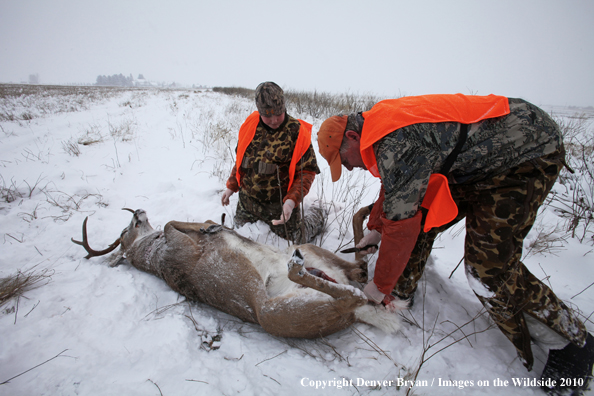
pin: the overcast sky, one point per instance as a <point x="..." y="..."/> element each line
<point x="539" y="50"/>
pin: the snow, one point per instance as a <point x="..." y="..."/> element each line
<point x="89" y="329"/>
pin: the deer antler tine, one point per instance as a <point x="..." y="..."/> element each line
<point x="85" y="243"/>
<point x="84" y="231"/>
<point x="129" y="210"/>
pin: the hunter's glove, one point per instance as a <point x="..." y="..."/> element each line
<point x="373" y="294"/>
<point x="373" y="238"/>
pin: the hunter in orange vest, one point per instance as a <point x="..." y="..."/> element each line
<point x="384" y="118"/>
<point x="246" y="135"/>
<point x="274" y="168"/>
<point x="442" y="158"/>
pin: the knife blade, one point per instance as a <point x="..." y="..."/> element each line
<point x="357" y="250"/>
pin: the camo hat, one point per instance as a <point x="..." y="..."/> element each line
<point x="270" y="99"/>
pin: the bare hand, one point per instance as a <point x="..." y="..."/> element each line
<point x="226" y="195"/>
<point x="288" y="207"/>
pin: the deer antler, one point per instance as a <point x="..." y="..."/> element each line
<point x="85" y="243"/>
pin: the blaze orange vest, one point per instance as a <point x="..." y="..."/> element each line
<point x="392" y="114"/>
<point x="247" y="131"/>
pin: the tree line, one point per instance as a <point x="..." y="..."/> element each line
<point x="116" y="80"/>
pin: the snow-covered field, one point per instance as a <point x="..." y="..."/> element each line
<point x="89" y="329"/>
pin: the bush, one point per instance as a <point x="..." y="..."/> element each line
<point x="576" y="204"/>
<point x="314" y="104"/>
<point x="236" y="91"/>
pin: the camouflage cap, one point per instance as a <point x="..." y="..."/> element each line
<point x="270" y="99"/>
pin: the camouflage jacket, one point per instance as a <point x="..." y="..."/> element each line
<point x="268" y="150"/>
<point x="408" y="156"/>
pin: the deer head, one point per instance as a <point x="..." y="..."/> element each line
<point x="138" y="228"/>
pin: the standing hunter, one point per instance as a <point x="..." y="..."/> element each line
<point x="274" y="169"/>
<point x="490" y="159"/>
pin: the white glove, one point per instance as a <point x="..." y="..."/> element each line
<point x="373" y="294"/>
<point x="288" y="207"/>
<point x="373" y="238"/>
<point x="226" y="195"/>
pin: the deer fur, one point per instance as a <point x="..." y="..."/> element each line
<point x="209" y="263"/>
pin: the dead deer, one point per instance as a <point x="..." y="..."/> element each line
<point x="303" y="292"/>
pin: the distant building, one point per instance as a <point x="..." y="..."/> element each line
<point x="142" y="82"/>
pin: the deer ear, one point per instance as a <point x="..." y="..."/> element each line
<point x="122" y="260"/>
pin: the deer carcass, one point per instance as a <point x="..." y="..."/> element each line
<point x="304" y="292"/>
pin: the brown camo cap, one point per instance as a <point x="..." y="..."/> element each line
<point x="270" y="99"/>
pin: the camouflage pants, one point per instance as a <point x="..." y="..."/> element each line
<point x="500" y="212"/>
<point x="250" y="210"/>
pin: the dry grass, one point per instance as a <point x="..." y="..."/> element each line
<point x="21" y="102"/>
<point x="236" y="91"/>
<point x="576" y="204"/>
<point x="315" y="104"/>
<point x="71" y="147"/>
<point x="324" y="105"/>
<point x="10" y="192"/>
<point x="15" y="286"/>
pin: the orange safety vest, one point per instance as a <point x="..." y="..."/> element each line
<point x="247" y="131"/>
<point x="392" y="114"/>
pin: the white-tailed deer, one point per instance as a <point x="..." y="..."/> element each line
<point x="304" y="292"/>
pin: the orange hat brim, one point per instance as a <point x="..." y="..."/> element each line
<point x="330" y="138"/>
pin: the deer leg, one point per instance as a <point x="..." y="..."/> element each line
<point x="304" y="316"/>
<point x="212" y="229"/>
<point x="356" y="271"/>
<point x="196" y="231"/>
<point x="207" y="227"/>
<point x="358" y="219"/>
<point x="299" y="275"/>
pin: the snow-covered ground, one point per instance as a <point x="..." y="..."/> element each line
<point x="89" y="329"/>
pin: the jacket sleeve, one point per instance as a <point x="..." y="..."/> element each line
<point x="375" y="222"/>
<point x="301" y="185"/>
<point x="232" y="180"/>
<point x="398" y="241"/>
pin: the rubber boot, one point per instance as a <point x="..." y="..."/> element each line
<point x="570" y="368"/>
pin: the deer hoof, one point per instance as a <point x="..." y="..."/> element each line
<point x="296" y="262"/>
<point x="213" y="229"/>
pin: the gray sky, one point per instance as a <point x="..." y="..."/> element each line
<point x="539" y="50"/>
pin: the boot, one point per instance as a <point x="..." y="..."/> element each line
<point x="570" y="368"/>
